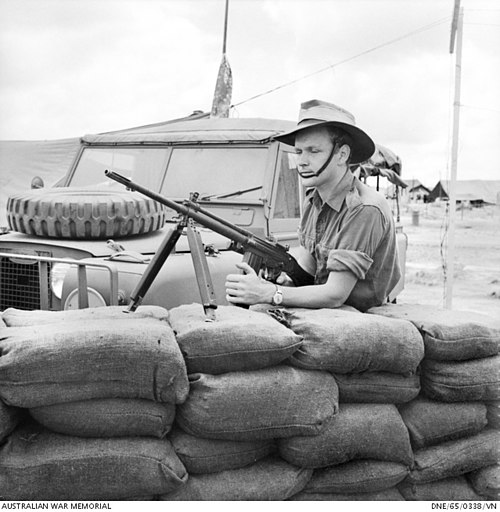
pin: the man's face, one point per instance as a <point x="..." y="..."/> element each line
<point x="313" y="147"/>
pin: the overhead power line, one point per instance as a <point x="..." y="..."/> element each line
<point x="481" y="108"/>
<point x="330" y="66"/>
<point x="483" y="24"/>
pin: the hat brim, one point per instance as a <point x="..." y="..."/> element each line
<point x="363" y="146"/>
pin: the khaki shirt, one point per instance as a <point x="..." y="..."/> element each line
<point x="353" y="230"/>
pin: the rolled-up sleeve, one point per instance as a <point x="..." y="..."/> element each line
<point x="356" y="242"/>
<point x="355" y="261"/>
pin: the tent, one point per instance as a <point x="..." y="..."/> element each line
<point x="22" y="160"/>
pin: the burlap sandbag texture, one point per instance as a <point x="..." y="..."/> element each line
<point x="107" y="417"/>
<point x="201" y="456"/>
<point x="80" y="361"/>
<point x="449" y="335"/>
<point x="430" y="422"/>
<point x="345" y="342"/>
<point x="455" y="458"/>
<point x="486" y="481"/>
<point x="358" y="431"/>
<point x="36" y="464"/>
<point x="357" y="476"/>
<point x="240" y="339"/>
<point x="377" y="387"/>
<point x="261" y="404"/>
<point x="493" y="414"/>
<point x="21" y="318"/>
<point x="448" y="489"/>
<point x="270" y="479"/>
<point x="9" y="418"/>
<point x="459" y="381"/>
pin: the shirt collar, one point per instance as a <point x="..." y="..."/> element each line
<point x="338" y="193"/>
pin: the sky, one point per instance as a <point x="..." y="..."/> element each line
<point x="71" y="67"/>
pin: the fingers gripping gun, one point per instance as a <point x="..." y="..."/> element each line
<point x="271" y="257"/>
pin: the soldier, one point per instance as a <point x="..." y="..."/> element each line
<point x="347" y="234"/>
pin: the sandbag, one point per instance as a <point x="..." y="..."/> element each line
<point x="493" y="414"/>
<point x="345" y="342"/>
<point x="77" y="361"/>
<point x="386" y="495"/>
<point x="357" y="476"/>
<point x="449" y="335"/>
<point x="462" y="381"/>
<point x="21" y="318"/>
<point x="270" y="479"/>
<point x="36" y="464"/>
<point x="448" y="489"/>
<point x="455" y="458"/>
<point x="9" y="418"/>
<point x="107" y="417"/>
<point x="486" y="481"/>
<point x="240" y="339"/>
<point x="358" y="431"/>
<point x="430" y="422"/>
<point x="215" y="455"/>
<point x="377" y="387"/>
<point x="261" y="404"/>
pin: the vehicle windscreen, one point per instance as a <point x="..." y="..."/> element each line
<point x="145" y="166"/>
<point x="217" y="173"/>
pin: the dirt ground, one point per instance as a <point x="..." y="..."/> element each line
<point x="476" y="285"/>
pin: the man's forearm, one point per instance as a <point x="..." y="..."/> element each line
<point x="331" y="294"/>
<point x="314" y="296"/>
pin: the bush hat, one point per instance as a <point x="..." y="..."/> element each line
<point x="321" y="113"/>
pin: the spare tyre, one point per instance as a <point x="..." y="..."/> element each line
<point x="83" y="213"/>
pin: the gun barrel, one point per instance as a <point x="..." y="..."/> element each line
<point x="206" y="219"/>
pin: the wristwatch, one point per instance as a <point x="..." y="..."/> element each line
<point x="277" y="297"/>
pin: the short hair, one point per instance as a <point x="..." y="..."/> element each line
<point x="340" y="138"/>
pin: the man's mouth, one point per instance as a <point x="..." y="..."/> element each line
<point x="307" y="174"/>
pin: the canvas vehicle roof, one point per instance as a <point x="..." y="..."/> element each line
<point x="200" y="130"/>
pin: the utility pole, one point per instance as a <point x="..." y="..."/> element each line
<point x="456" y="30"/>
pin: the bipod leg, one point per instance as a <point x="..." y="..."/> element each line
<point x="154" y="267"/>
<point x="202" y="272"/>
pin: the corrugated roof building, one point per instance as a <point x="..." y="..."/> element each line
<point x="475" y="191"/>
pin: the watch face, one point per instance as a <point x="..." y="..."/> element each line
<point x="278" y="298"/>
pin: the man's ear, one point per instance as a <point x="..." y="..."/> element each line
<point x="344" y="153"/>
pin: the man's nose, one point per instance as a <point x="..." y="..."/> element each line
<point x="302" y="160"/>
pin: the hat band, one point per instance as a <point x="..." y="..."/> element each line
<point x="306" y="123"/>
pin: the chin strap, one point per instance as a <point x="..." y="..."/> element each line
<point x="323" y="167"/>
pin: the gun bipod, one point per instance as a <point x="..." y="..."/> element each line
<point x="200" y="265"/>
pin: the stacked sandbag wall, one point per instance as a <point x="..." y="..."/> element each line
<point x="453" y="423"/>
<point x="283" y="404"/>
<point x="364" y="451"/>
<point x="87" y="398"/>
<point x="244" y="396"/>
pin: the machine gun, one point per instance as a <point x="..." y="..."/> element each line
<point x="270" y="257"/>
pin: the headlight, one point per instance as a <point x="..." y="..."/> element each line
<point x="57" y="275"/>
<point x="96" y="300"/>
